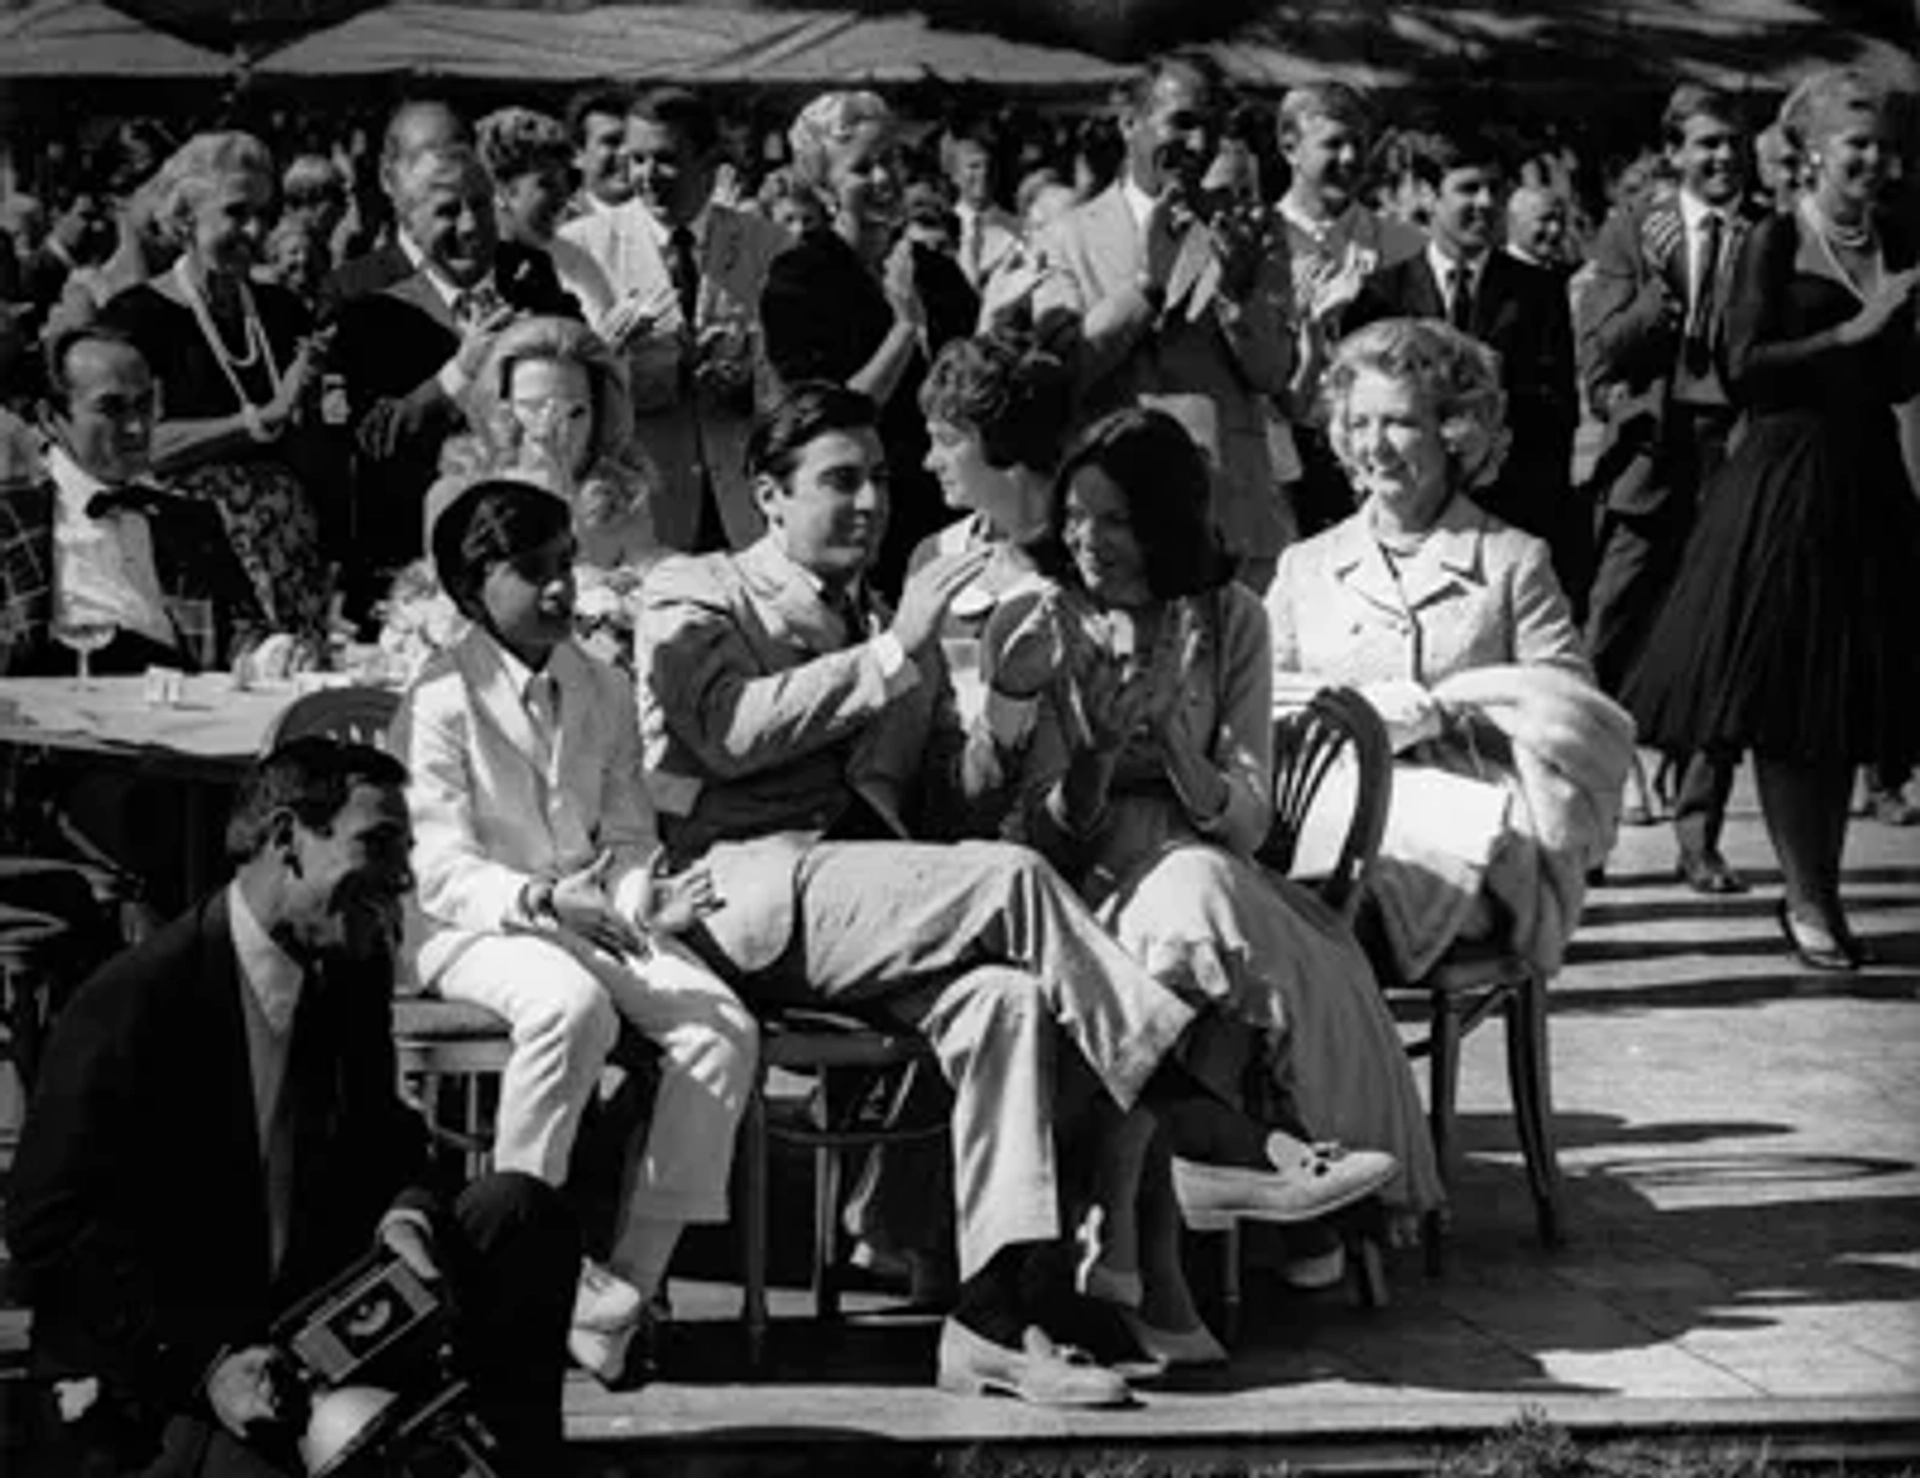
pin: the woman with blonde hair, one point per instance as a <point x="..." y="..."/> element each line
<point x="1790" y="628"/>
<point x="892" y="305"/>
<point x="239" y="368"/>
<point x="1508" y="760"/>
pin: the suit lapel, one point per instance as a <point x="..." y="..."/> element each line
<point x="791" y="607"/>
<point x="415" y="290"/>
<point x="1424" y="297"/>
<point x="498" y="701"/>
<point x="242" y="1150"/>
<point x="1359" y="565"/>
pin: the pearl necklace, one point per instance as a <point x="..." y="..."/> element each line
<point x="252" y="330"/>
<point x="1834" y="239"/>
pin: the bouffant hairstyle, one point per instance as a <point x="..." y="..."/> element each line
<point x="1168" y="488"/>
<point x="828" y="121"/>
<point x="518" y="141"/>
<point x="1333" y="100"/>
<point x="1015" y="397"/>
<point x="1453" y="373"/>
<point x="564" y="341"/>
<point x="492" y="520"/>
<point x="1823" y="101"/>
<point x="199" y="166"/>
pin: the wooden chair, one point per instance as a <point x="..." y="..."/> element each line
<point x="359" y="713"/>
<point x="845" y="1055"/>
<point x="1307" y="744"/>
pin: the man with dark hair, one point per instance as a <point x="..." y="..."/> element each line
<point x="416" y="320"/>
<point x="686" y="273"/>
<point x="1650" y="326"/>
<point x="989" y="237"/>
<point x="597" y="125"/>
<point x="1179" y="304"/>
<point x="1518" y="310"/>
<point x="239" y="1065"/>
<point x="87" y="539"/>
<point x="799" y="738"/>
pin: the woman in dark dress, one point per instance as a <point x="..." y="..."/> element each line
<point x="1791" y="628"/>
<point x="237" y="370"/>
<point x="854" y="303"/>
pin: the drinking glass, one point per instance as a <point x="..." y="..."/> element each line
<point x="83" y="636"/>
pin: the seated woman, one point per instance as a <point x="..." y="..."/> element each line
<point x="1147" y="776"/>
<point x="1509" y="762"/>
<point x="534" y="854"/>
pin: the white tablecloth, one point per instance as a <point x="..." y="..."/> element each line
<point x="213" y="720"/>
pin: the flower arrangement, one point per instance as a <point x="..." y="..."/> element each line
<point x="419" y="619"/>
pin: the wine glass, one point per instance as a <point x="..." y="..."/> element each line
<point x="83" y="636"/>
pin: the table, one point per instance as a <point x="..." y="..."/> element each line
<point x="205" y="741"/>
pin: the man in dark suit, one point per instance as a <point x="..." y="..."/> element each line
<point x="215" y="1134"/>
<point x="85" y="535"/>
<point x="1649" y="329"/>
<point x="415" y="321"/>
<point x="1517" y="309"/>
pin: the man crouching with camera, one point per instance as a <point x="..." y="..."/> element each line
<point x="215" y="1136"/>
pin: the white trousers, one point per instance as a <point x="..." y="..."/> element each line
<point x="564" y="1002"/>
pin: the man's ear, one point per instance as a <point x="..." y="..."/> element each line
<point x="283" y="839"/>
<point x="767" y="494"/>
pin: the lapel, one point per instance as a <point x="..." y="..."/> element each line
<point x="573" y="744"/>
<point x="790" y="607"/>
<point x="499" y="702"/>
<point x="1113" y="236"/>
<point x="1497" y="292"/>
<point x="1423" y="297"/>
<point x="1358" y="565"/>
<point x="1663" y="234"/>
<point x="245" y="1173"/>
<point x="1450" y="557"/>
<point x="416" y="291"/>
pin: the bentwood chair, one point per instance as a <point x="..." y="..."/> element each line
<point x="1336" y="727"/>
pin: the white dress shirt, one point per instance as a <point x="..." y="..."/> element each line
<point x="103" y="569"/>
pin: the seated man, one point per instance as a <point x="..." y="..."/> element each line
<point x="791" y="736"/>
<point x="86" y="540"/>
<point x="216" y="1133"/>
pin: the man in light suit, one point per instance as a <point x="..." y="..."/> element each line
<point x="989" y="236"/>
<point x="794" y="737"/>
<point x="416" y="320"/>
<point x="1519" y="310"/>
<point x="1175" y="313"/>
<point x="534" y="848"/>
<point x="686" y="274"/>
<point x="1649" y="337"/>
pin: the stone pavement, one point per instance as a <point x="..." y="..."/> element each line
<point x="1741" y="1146"/>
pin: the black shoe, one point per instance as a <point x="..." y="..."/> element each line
<point x="1833" y="957"/>
<point x="1706" y="873"/>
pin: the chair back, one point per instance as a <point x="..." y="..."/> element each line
<point x="360" y="714"/>
<point x="1307" y="743"/>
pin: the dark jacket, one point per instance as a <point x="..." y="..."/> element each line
<point x="136" y="1212"/>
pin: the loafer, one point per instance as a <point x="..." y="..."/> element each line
<point x="1308" y="1181"/>
<point x="1040" y="1372"/>
<point x="1709" y="875"/>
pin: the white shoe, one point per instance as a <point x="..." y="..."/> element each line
<point x="603" y="1300"/>
<point x="1308" y="1181"/>
<point x="602" y="1353"/>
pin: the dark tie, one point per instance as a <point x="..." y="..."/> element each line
<point x="685" y="267"/>
<point x="1460" y="297"/>
<point x="844" y="602"/>
<point x="1699" y="336"/>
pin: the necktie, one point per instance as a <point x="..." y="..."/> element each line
<point x="1460" y="298"/>
<point x="132" y="498"/>
<point x="684" y="265"/>
<point x="472" y="304"/>
<point x="1699" y="334"/>
<point x="975" y="246"/>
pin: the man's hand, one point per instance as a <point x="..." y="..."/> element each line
<point x="680" y="898"/>
<point x="630" y="318"/>
<point x="409" y="1240"/>
<point x="476" y="341"/>
<point x="581" y="906"/>
<point x="240" y="1390"/>
<point x="928" y="593"/>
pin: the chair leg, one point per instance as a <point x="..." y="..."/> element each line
<point x="826" y="1233"/>
<point x="1443" y="1087"/>
<point x="1230" y="1299"/>
<point x="1529" y="1079"/>
<point x="753" y="1225"/>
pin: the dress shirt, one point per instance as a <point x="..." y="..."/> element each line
<point x="1693" y="215"/>
<point x="1139" y="203"/>
<point x="454" y="297"/>
<point x="272" y="979"/>
<point x="1445" y="266"/>
<point x="897" y="671"/>
<point x="103" y="568"/>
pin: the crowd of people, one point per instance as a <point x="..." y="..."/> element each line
<point x="952" y="539"/>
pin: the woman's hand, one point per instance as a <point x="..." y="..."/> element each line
<point x="1886" y="302"/>
<point x="581" y="906"/>
<point x="1409" y="711"/>
<point x="299" y="384"/>
<point x="903" y="293"/>
<point x="680" y="898"/>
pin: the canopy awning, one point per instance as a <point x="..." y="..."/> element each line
<point x="86" y="38"/>
<point x="683" y="43"/>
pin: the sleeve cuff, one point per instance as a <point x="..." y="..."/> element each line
<point x="898" y="672"/>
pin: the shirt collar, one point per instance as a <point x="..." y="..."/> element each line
<point x="1139" y="202"/>
<point x="663" y="233"/>
<point x="524" y="681"/>
<point x="1443" y="266"/>
<point x="443" y="289"/>
<point x="75" y="485"/>
<point x="1317" y="229"/>
<point x="1694" y="211"/>
<point x="273" y="975"/>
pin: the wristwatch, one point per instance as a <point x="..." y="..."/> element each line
<point x="536" y="901"/>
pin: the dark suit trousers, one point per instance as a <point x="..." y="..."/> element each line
<point x="511" y="1255"/>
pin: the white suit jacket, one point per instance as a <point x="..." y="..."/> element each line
<point x="491" y="811"/>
